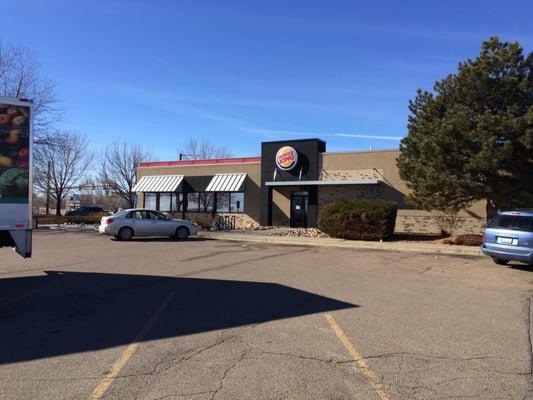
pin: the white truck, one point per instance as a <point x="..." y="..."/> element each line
<point x="16" y="118"/>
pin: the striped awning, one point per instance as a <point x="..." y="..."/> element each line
<point x="226" y="183"/>
<point x="161" y="183"/>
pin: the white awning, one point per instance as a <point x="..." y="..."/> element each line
<point x="161" y="183"/>
<point x="226" y="183"/>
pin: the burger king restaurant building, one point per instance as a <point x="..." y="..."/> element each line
<point x="286" y="186"/>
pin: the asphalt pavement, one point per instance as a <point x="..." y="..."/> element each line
<point x="92" y="318"/>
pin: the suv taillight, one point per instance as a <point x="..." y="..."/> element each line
<point x="109" y="221"/>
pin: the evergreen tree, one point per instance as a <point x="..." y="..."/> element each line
<point x="472" y="138"/>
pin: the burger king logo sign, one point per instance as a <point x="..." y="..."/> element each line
<point x="286" y="158"/>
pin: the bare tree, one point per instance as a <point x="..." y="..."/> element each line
<point x="62" y="164"/>
<point x="118" y="169"/>
<point x="20" y="77"/>
<point x="203" y="150"/>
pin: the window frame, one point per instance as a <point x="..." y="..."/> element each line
<point x="242" y="210"/>
<point x="173" y="195"/>
<point x="185" y="202"/>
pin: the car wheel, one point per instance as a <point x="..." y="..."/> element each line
<point x="182" y="233"/>
<point x="499" y="261"/>
<point x="125" y="234"/>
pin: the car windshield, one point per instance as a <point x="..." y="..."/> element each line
<point x="512" y="222"/>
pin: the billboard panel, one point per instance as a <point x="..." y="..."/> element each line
<point x="14" y="154"/>
<point x="15" y="174"/>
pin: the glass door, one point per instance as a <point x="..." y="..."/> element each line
<point x="299" y="202"/>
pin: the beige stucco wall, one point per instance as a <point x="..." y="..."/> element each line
<point x="329" y="194"/>
<point x="249" y="218"/>
<point x="381" y="165"/>
<point x="281" y="205"/>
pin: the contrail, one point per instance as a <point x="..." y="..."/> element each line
<point x="356" y="135"/>
<point x="310" y="134"/>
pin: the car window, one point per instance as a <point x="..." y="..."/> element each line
<point x="133" y="214"/>
<point x="156" y="215"/>
<point x="139" y="214"/>
<point x="512" y="222"/>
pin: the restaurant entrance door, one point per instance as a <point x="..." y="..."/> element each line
<point x="299" y="202"/>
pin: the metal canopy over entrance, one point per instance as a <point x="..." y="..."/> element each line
<point x="161" y="183"/>
<point x="226" y="183"/>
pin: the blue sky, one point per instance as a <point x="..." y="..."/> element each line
<point x="241" y="72"/>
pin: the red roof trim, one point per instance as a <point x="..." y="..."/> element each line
<point x="216" y="161"/>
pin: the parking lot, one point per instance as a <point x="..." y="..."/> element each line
<point x="92" y="318"/>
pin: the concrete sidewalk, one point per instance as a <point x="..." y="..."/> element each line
<point x="243" y="236"/>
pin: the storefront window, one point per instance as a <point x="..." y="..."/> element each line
<point x="150" y="201"/>
<point x="164" y="201"/>
<point x="193" y="203"/>
<point x="201" y="202"/>
<point x="222" y="202"/>
<point x="237" y="202"/>
<point x="206" y="202"/>
<point x="177" y="202"/>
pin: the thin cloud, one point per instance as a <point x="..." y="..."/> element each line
<point x="200" y="106"/>
<point x="362" y="136"/>
<point x="315" y="134"/>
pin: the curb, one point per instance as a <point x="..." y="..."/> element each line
<point x="61" y="227"/>
<point x="348" y="244"/>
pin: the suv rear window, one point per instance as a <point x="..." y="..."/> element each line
<point x="512" y="222"/>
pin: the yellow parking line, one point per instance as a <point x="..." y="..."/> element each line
<point x="108" y="378"/>
<point x="370" y="376"/>
<point x="28" y="294"/>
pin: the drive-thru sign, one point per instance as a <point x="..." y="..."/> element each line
<point x="15" y="174"/>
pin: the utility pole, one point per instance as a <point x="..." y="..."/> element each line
<point x="48" y="187"/>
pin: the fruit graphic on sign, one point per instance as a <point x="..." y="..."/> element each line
<point x="18" y="121"/>
<point x="4" y="119"/>
<point x="14" y="180"/>
<point x="24" y="154"/>
<point x="5" y="161"/>
<point x="12" y="112"/>
<point x="13" y="137"/>
<point x="22" y="164"/>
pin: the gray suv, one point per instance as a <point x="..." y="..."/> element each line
<point x="509" y="237"/>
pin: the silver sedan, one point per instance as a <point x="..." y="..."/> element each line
<point x="136" y="222"/>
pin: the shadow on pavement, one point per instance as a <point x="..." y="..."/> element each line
<point x="521" y="267"/>
<point x="70" y="312"/>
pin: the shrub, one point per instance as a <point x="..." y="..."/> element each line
<point x="88" y="219"/>
<point x="203" y="220"/>
<point x="75" y="219"/>
<point x="465" y="240"/>
<point x="358" y="219"/>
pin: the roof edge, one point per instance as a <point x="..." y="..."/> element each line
<point x="213" y="161"/>
<point x="326" y="153"/>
